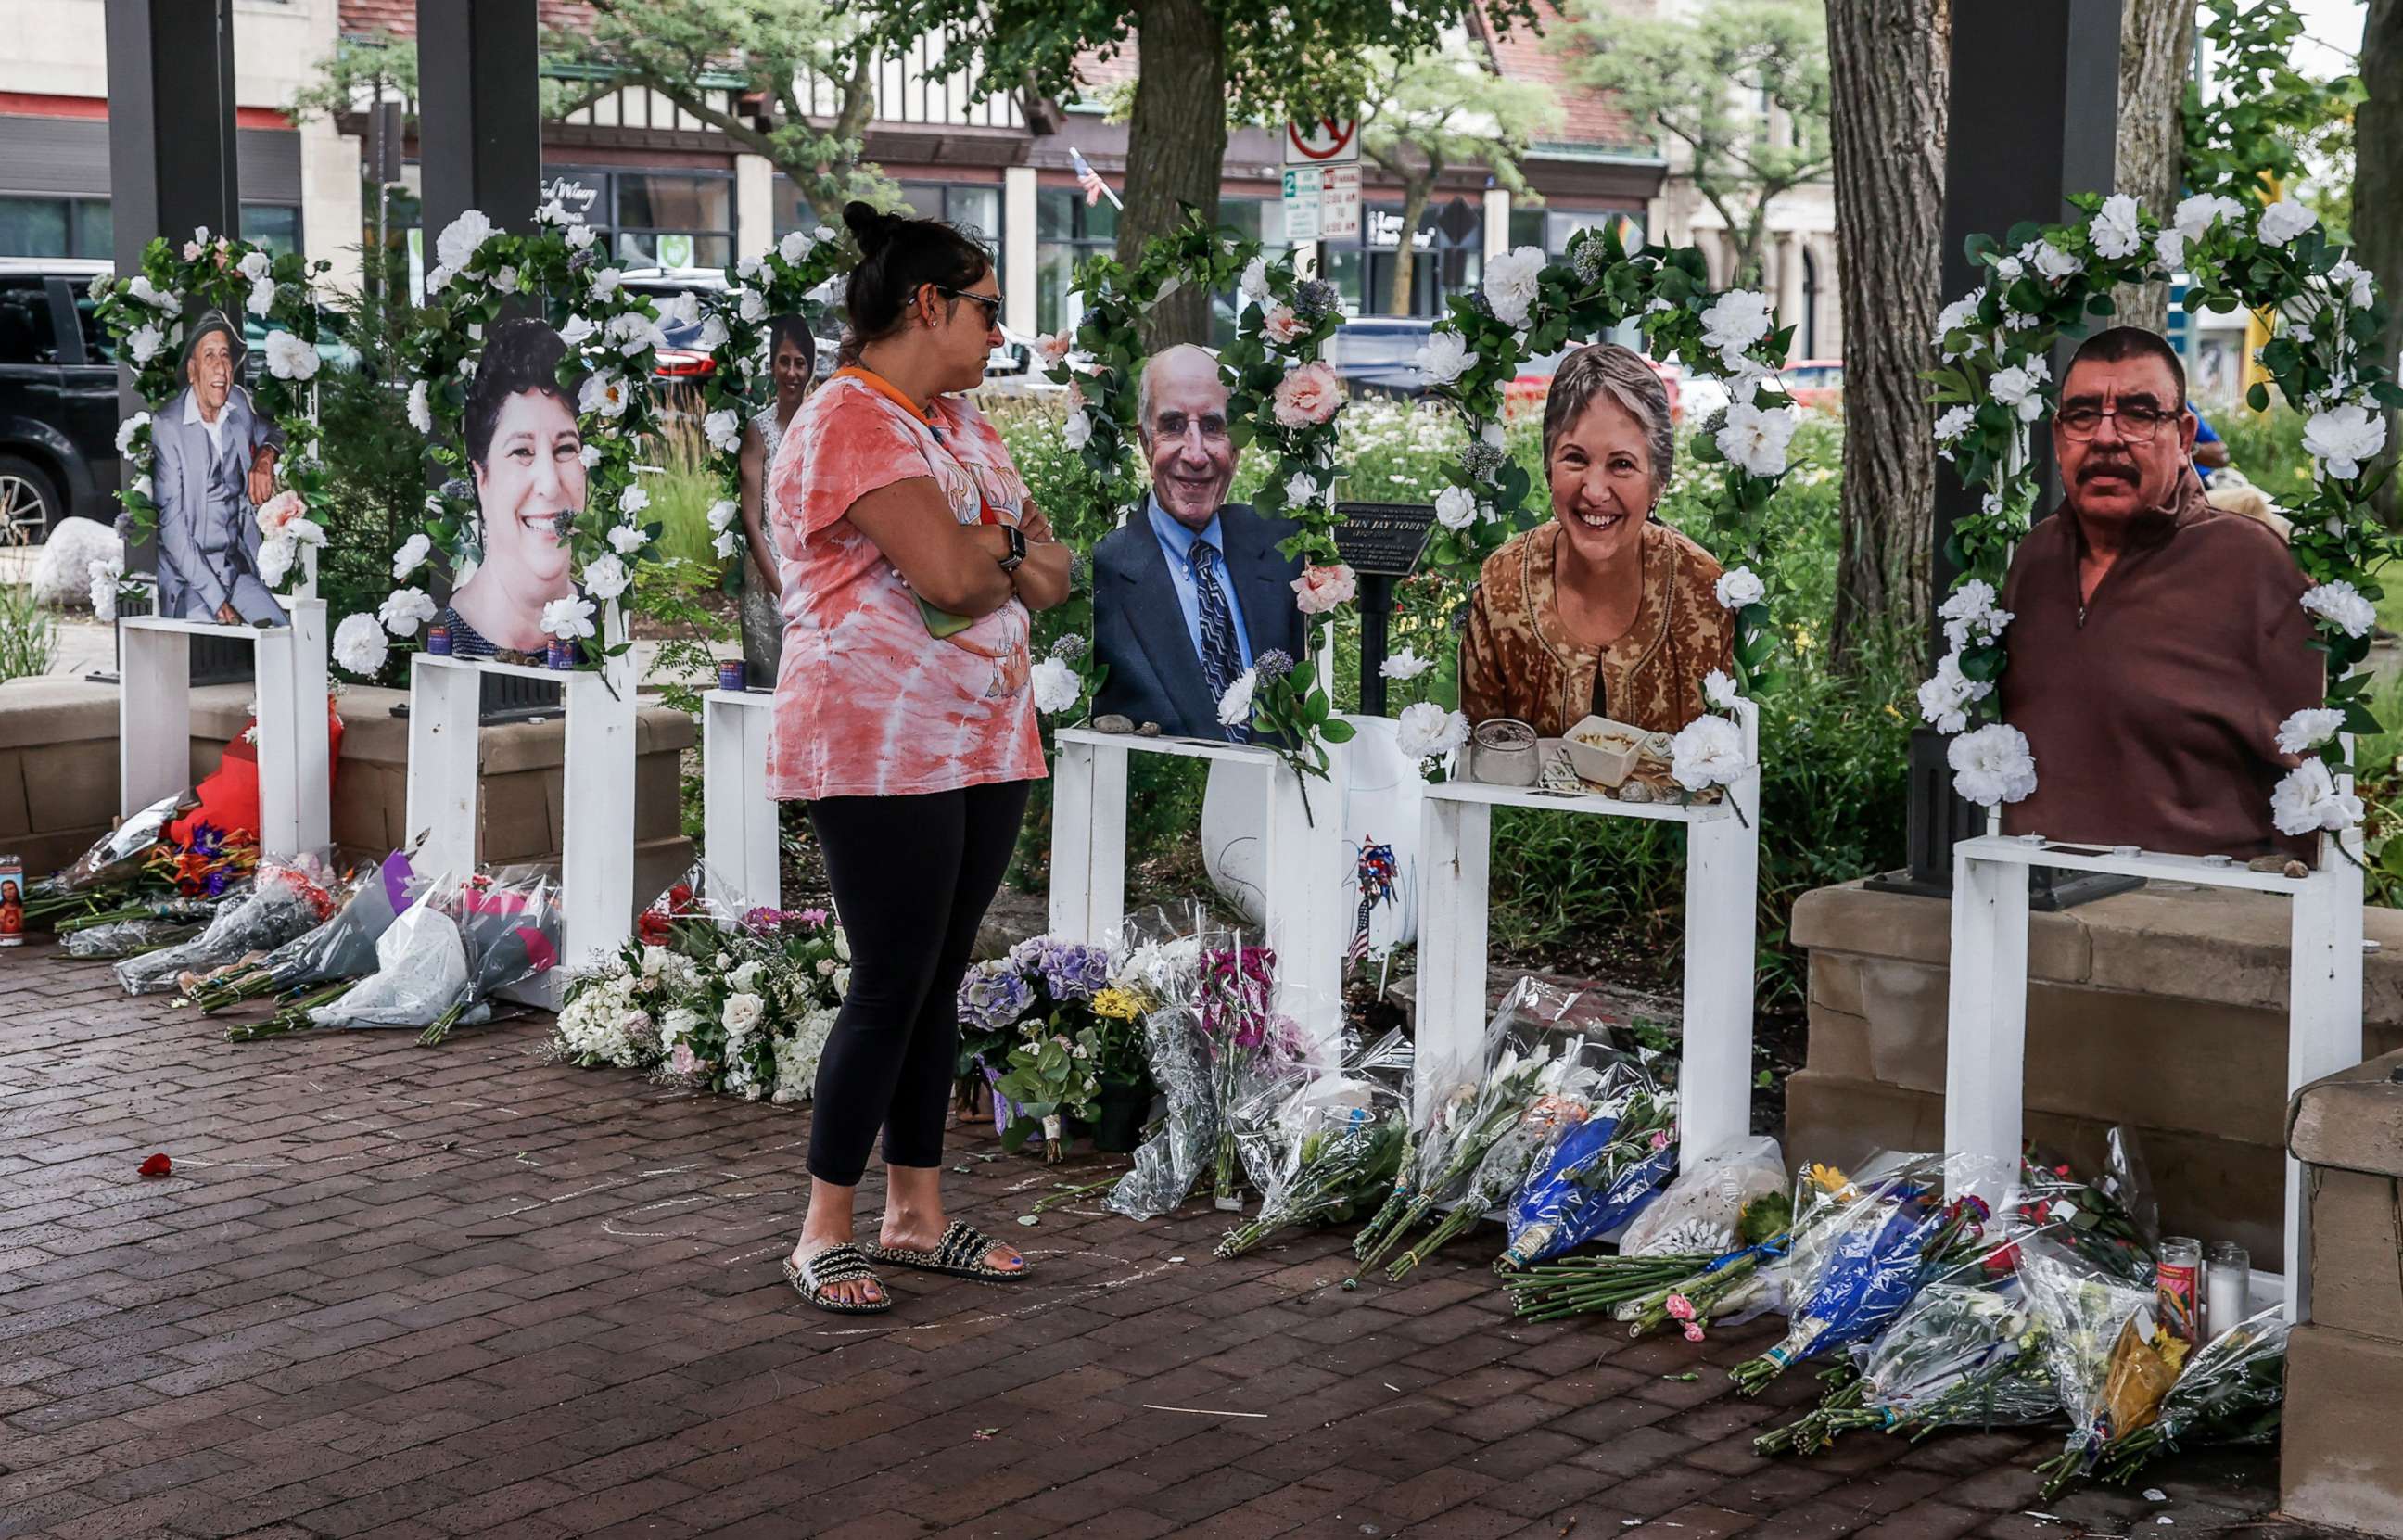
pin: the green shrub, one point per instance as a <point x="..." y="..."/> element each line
<point x="29" y="633"/>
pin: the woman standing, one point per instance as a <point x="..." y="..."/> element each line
<point x="1602" y="609"/>
<point x="792" y="364"/>
<point x="904" y="713"/>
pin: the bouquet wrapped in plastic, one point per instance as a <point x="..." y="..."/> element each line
<point x="1958" y="1353"/>
<point x="1854" y="1274"/>
<point x="153" y="926"/>
<point x="343" y="948"/>
<point x="286" y="900"/>
<point x="2110" y="1363"/>
<point x="421" y="968"/>
<point x="1702" y="1207"/>
<point x="1537" y="1079"/>
<point x="1330" y="1149"/>
<point x="510" y="927"/>
<point x="2108" y="1222"/>
<point x="1165" y="968"/>
<point x="2231" y="1391"/>
<point x="116" y="863"/>
<point x="1257" y="1053"/>
<point x="1598" y="1172"/>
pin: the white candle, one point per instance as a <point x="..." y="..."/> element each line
<point x="2227" y="1283"/>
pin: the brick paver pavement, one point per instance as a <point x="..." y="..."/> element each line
<point x="409" y="1292"/>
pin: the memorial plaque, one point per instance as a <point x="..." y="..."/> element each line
<point x="1382" y="539"/>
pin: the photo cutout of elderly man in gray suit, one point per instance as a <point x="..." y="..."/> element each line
<point x="212" y="464"/>
<point x="1192" y="589"/>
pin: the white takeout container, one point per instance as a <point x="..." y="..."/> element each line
<point x="1603" y="767"/>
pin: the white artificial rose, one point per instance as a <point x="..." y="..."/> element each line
<point x="404" y="610"/>
<point x="2118" y="231"/>
<point x="1300" y="489"/>
<point x="578" y="331"/>
<point x="1405" y="665"/>
<point x="629" y="332"/>
<point x="421" y="407"/>
<point x="145" y="341"/>
<point x="1739" y="586"/>
<point x="1958" y="315"/>
<point x="1057" y="687"/>
<point x="1455" y="507"/>
<point x="410" y="556"/>
<point x="603" y="394"/>
<point x="2308" y="802"/>
<point x="1235" y="706"/>
<point x="256" y="265"/>
<point x="794" y="246"/>
<point x="633" y="500"/>
<point x="752" y="306"/>
<point x="1079" y="430"/>
<point x="713" y="334"/>
<point x="742" y="1014"/>
<point x="1756" y="438"/>
<point x="626" y="539"/>
<point x="1993" y="765"/>
<point x="722" y="514"/>
<point x="2169" y="246"/>
<point x="2342" y="437"/>
<point x="1255" y="284"/>
<point x="1707" y="752"/>
<point x="1446" y="356"/>
<point x="2195" y="216"/>
<point x="2342" y="605"/>
<point x="2020" y="387"/>
<point x="1426" y="729"/>
<point x="359" y="646"/>
<point x="261" y="298"/>
<point x="1512" y="282"/>
<point x="127" y="429"/>
<point x="2360" y="289"/>
<point x="606" y="281"/>
<point x="1736" y="320"/>
<point x="2008" y="268"/>
<point x="606" y="577"/>
<point x="462" y="238"/>
<point x="2308" y="728"/>
<point x="1719" y="691"/>
<point x="2282" y="220"/>
<point x="724" y="427"/>
<point x="2053" y="263"/>
<point x="567" y="618"/>
<point x="1945" y="699"/>
<point x="275" y="561"/>
<point x="726" y="545"/>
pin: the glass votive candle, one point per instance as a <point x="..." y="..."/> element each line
<point x="2177" y="1288"/>
<point x="730" y="673"/>
<point x="2230" y="1286"/>
<point x="562" y="654"/>
<point x="437" y="640"/>
<point x="1502" y="752"/>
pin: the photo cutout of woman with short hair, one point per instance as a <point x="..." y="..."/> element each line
<point x="526" y="453"/>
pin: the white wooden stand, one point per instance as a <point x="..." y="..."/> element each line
<point x="1301" y="862"/>
<point x="596" y="877"/>
<point x="1722" y="893"/>
<point x="739" y="824"/>
<point x="154" y="749"/>
<point x="1986" y="1032"/>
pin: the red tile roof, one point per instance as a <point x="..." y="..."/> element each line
<point x="1589" y="118"/>
<point x="399" y="17"/>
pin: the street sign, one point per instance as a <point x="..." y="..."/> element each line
<point x="1302" y="192"/>
<point x="1338" y="205"/>
<point x="1323" y="142"/>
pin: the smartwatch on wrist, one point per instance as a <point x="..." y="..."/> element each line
<point x="1017" y="547"/>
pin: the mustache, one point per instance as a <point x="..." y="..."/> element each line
<point x="2093" y="470"/>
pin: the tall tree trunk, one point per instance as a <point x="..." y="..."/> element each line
<point x="1887" y="59"/>
<point x="2156" y="55"/>
<point x="2378" y="183"/>
<point x="1416" y="191"/>
<point x="1176" y="146"/>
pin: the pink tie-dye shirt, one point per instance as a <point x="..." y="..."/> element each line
<point x="868" y="702"/>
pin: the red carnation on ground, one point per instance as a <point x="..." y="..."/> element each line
<point x="158" y="1165"/>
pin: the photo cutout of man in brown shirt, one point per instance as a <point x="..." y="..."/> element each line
<point x="2156" y="642"/>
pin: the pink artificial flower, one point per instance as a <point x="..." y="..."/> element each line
<point x="1308" y="397"/>
<point x="1659" y="1139"/>
<point x="191" y="251"/>
<point x="683" y="1063"/>
<point x="1693" y="1331"/>
<point x="1319" y="590"/>
<point x="813" y="916"/>
<point x="1679" y="1308"/>
<point x="1283" y="326"/>
<point x="280" y="512"/>
<point x="1075" y="396"/>
<point x="1055" y="346"/>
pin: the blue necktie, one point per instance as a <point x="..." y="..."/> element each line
<point x="1222" y="658"/>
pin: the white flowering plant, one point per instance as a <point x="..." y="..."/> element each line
<point x="484" y="275"/>
<point x="147" y="314"/>
<point x="2043" y="284"/>
<point x="785" y="281"/>
<point x="1529" y="307"/>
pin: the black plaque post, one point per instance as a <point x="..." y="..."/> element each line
<point x="479" y="111"/>
<point x="2033" y="119"/>
<point x="1381" y="543"/>
<point x="172" y="169"/>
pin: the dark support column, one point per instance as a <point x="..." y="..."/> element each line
<point x="171" y="121"/>
<point x="2033" y="118"/>
<point x="480" y="117"/>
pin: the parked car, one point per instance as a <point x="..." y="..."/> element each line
<point x="681" y="361"/>
<point x="1815" y="382"/>
<point x="1377" y="354"/>
<point x="58" y="400"/>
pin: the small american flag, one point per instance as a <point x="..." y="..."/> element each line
<point x="1091" y="180"/>
<point x="1376" y="871"/>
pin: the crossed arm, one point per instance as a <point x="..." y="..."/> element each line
<point x="955" y="567"/>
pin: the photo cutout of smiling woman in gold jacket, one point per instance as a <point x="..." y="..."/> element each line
<point x="527" y="454"/>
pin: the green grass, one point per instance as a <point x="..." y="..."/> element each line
<point x="682" y="495"/>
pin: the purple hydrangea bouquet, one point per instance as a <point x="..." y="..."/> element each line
<point x="1045" y="1029"/>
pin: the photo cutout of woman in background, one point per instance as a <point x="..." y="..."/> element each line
<point x="527" y="453"/>
<point x="792" y="367"/>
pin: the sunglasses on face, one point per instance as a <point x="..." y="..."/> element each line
<point x="2138" y="424"/>
<point x="992" y="302"/>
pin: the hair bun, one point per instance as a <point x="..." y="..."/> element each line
<point x="870" y="226"/>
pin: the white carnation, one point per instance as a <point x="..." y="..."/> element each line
<point x="1707" y="752"/>
<point x="1719" y="691"/>
<point x="359" y="646"/>
<point x="1945" y="699"/>
<point x="567" y="618"/>
<point x="1738" y="319"/>
<point x="1993" y="765"/>
<point x="2282" y="220"/>
<point x="626" y="539"/>
<point x="2118" y="231"/>
<point x="1446" y="356"/>
<point x="2344" y="437"/>
<point x="290" y="358"/>
<point x="2342" y="605"/>
<point x="1739" y="586"/>
<point x="606" y="577"/>
<point x="1057" y="687"/>
<point x="1756" y="438"/>
<point x="1512" y="282"/>
<point x="2307" y="802"/>
<point x="2308" y="728"/>
<point x="404" y="610"/>
<point x="1405" y="665"/>
<point x="1426" y="729"/>
<point x="1972" y="614"/>
<point x="462" y="238"/>
<point x="713" y="334"/>
<point x="1235" y="706"/>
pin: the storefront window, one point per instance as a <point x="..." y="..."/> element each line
<point x="1449" y="258"/>
<point x="273" y="225"/>
<point x="653" y="218"/>
<point x="1067" y="231"/>
<point x="1550" y="229"/>
<point x="55" y="227"/>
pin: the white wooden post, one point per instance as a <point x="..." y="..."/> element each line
<point x="2324" y="1021"/>
<point x="1722" y="888"/>
<point x="154" y="752"/>
<point x="1301" y="872"/>
<point x="153" y="729"/>
<point x="1071" y="837"/>
<point x="739" y="819"/>
<point x="313" y="740"/>
<point x="1986" y="1049"/>
<point x="1455" y="854"/>
<point x="445" y="696"/>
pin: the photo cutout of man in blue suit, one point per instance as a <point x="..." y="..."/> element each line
<point x="212" y="463"/>
<point x="1190" y="591"/>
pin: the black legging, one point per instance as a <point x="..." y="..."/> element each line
<point x="911" y="876"/>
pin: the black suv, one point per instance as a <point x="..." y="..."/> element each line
<point x="57" y="398"/>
